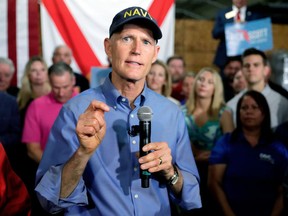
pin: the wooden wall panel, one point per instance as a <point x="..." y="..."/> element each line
<point x="193" y="41"/>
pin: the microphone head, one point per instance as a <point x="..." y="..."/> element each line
<point x="144" y="113"/>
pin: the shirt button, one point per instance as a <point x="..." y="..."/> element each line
<point x="132" y="116"/>
<point x="134" y="142"/>
<point x="115" y="107"/>
<point x="135" y="169"/>
<point x="123" y="99"/>
<point x="136" y="196"/>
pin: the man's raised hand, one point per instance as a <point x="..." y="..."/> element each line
<point x="91" y="126"/>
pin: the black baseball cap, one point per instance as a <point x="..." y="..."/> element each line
<point x="135" y="15"/>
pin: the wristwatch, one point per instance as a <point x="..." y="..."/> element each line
<point x="174" y="179"/>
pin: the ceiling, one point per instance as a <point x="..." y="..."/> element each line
<point x="207" y="9"/>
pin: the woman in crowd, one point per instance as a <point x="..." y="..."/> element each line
<point x="207" y="118"/>
<point x="247" y="166"/>
<point x="34" y="84"/>
<point x="159" y="80"/>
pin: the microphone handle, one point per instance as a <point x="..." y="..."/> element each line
<point x="145" y="138"/>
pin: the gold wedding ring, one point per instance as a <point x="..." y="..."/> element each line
<point x="160" y="161"/>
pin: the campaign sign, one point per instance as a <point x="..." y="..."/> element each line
<point x="240" y="36"/>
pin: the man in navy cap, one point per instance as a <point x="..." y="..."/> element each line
<point x="91" y="164"/>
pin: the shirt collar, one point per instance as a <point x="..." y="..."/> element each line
<point x="113" y="96"/>
<point x="242" y="9"/>
<point x="261" y="140"/>
<point x="265" y="91"/>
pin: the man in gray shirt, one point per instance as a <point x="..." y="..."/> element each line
<point x="255" y="70"/>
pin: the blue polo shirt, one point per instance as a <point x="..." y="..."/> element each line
<point x="253" y="174"/>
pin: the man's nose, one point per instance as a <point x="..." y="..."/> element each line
<point x="136" y="47"/>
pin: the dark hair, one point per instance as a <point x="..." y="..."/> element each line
<point x="233" y="58"/>
<point x="60" y="68"/>
<point x="175" y="57"/>
<point x="253" y="51"/>
<point x="266" y="131"/>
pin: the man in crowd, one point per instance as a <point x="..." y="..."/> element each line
<point x="238" y="12"/>
<point x="43" y="111"/>
<point x="7" y="70"/>
<point x="10" y="130"/>
<point x="187" y="86"/>
<point x="255" y="70"/>
<point x="64" y="53"/>
<point x="232" y="66"/>
<point x="176" y="67"/>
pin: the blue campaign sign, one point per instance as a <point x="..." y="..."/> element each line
<point x="240" y="36"/>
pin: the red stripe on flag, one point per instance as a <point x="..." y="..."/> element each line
<point x="72" y="35"/>
<point x="159" y="9"/>
<point x="12" y="52"/>
<point x="33" y="27"/>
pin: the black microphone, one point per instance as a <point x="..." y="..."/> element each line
<point x="144" y="115"/>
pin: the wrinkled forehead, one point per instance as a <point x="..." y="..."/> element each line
<point x="5" y="68"/>
<point x="62" y="50"/>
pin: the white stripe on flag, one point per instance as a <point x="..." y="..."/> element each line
<point x="22" y="37"/>
<point x="51" y="38"/>
<point x="4" y="28"/>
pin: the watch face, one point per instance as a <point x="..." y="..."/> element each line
<point x="174" y="181"/>
<point x="174" y="178"/>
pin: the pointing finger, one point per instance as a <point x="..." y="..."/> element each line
<point x="96" y="105"/>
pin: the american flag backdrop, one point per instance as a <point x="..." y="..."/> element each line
<point x="19" y="32"/>
<point x="32" y="27"/>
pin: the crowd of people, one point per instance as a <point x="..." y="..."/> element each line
<point x="219" y="143"/>
<point x="28" y="113"/>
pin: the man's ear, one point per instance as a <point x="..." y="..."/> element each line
<point x="267" y="72"/>
<point x="107" y="46"/>
<point x="74" y="80"/>
<point x="157" y="49"/>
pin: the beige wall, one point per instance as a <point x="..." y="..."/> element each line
<point x="193" y="40"/>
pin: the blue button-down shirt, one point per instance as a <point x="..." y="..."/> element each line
<point x="111" y="184"/>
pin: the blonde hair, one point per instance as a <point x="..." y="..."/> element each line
<point x="217" y="99"/>
<point x="167" y="87"/>
<point x="26" y="91"/>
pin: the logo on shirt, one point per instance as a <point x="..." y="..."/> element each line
<point x="266" y="157"/>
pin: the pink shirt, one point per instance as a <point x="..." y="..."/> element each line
<point x="39" y="119"/>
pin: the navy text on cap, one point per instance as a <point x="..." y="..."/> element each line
<point x="135" y="15"/>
